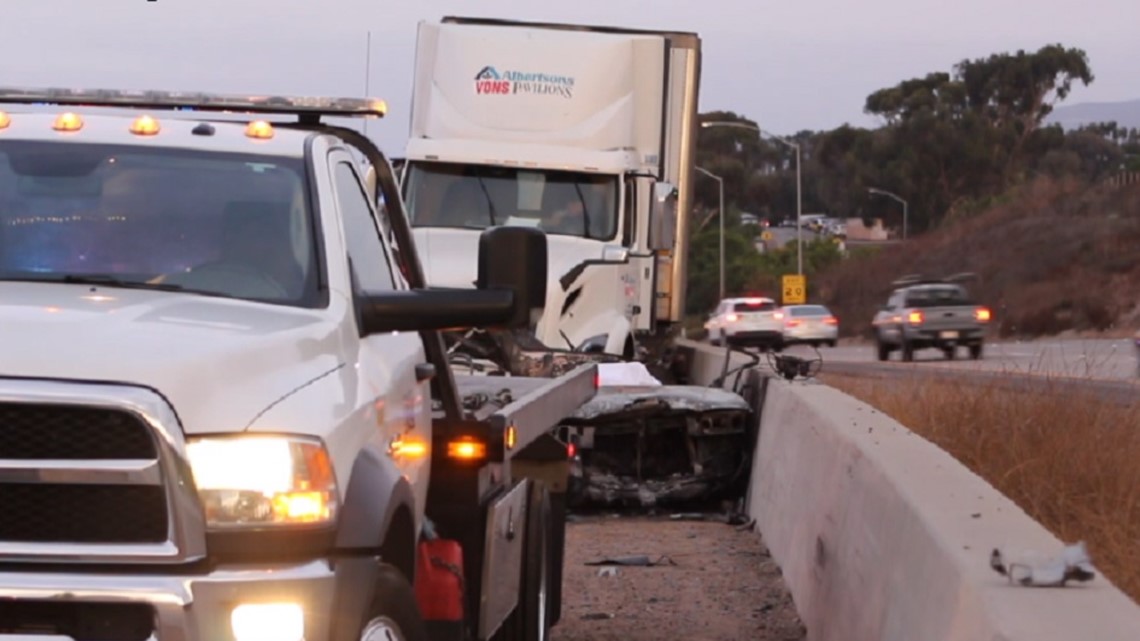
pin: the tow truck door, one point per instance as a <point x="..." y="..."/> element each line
<point x="391" y="367"/>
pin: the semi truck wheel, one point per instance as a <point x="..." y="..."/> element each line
<point x="393" y="615"/>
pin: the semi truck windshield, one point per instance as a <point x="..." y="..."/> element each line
<point x="482" y="196"/>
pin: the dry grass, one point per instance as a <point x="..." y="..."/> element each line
<point x="1071" y="461"/>
<point x="1051" y="256"/>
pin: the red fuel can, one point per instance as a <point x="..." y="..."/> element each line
<point x="439" y="580"/>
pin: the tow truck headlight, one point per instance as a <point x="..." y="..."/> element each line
<point x="254" y="481"/>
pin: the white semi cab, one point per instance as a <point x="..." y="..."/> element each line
<point x="586" y="133"/>
<point x="225" y="409"/>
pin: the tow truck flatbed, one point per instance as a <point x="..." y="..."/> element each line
<point x="533" y="405"/>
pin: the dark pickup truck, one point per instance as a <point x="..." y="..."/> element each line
<point x="929" y="313"/>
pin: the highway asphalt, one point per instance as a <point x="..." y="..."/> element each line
<point x="1100" y="358"/>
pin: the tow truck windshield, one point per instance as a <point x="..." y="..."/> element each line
<point x="482" y="196"/>
<point x="220" y="224"/>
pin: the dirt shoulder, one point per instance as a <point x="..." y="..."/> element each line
<point x="722" y="583"/>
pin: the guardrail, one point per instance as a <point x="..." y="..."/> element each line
<point x="882" y="536"/>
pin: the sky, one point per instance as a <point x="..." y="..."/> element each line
<point x="787" y="65"/>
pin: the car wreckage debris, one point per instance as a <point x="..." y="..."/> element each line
<point x="659" y="445"/>
<point x="1072" y="564"/>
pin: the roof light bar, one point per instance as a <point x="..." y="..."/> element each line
<point x="193" y="101"/>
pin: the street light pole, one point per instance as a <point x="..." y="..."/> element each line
<point x="799" y="217"/>
<point x="906" y="207"/>
<point x="799" y="190"/>
<point x="720" y="182"/>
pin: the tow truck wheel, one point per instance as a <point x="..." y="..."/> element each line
<point x="535" y="594"/>
<point x="394" y="614"/>
<point x="530" y="620"/>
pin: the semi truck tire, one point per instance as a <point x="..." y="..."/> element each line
<point x="393" y="614"/>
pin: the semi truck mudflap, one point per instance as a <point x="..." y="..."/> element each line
<point x="663" y="445"/>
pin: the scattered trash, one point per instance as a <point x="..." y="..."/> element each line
<point x="597" y="616"/>
<point x="731" y="518"/>
<point x="608" y="571"/>
<point x="744" y="527"/>
<point x="690" y="516"/>
<point x="1073" y="564"/>
<point x="636" y="560"/>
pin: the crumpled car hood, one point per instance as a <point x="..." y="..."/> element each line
<point x="616" y="401"/>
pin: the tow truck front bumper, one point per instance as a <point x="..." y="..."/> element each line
<point x="103" y="606"/>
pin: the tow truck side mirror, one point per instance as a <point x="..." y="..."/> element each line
<point x="510" y="291"/>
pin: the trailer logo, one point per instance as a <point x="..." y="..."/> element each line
<point x="490" y="81"/>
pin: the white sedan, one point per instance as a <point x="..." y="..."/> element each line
<point x="811" y="324"/>
<point x="751" y="321"/>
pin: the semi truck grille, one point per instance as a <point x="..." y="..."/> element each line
<point x="37" y="431"/>
<point x="54" y="513"/>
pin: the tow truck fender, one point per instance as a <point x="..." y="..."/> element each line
<point x="370" y="518"/>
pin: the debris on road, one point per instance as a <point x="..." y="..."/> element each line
<point x="719" y="583"/>
<point x="1072" y="564"/>
<point x="638" y="559"/>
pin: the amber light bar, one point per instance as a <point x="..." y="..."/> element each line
<point x="197" y="101"/>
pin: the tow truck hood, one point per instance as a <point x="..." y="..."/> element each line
<point x="218" y="362"/>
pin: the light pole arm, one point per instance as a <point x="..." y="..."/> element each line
<point x="898" y="199"/>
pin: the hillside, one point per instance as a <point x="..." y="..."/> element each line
<point x="1052" y="256"/>
<point x="1125" y="114"/>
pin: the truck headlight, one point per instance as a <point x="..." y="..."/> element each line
<point x="258" y="480"/>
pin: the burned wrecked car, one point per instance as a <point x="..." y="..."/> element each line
<point x="659" y="445"/>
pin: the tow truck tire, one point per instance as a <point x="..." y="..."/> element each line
<point x="534" y="599"/>
<point x="557" y="556"/>
<point x="394" y="614"/>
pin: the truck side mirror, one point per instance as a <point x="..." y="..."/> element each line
<point x="510" y="291"/>
<point x="515" y="258"/>
<point x="663" y="216"/>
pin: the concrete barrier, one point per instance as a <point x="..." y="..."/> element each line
<point x="882" y="536"/>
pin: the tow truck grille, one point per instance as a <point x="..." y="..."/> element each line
<point x="36" y="431"/>
<point x="76" y="474"/>
<point x="86" y="621"/>
<point x="51" y="513"/>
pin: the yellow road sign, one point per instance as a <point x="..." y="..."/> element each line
<point x="766" y="236"/>
<point x="795" y="289"/>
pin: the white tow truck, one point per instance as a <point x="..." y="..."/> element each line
<point x="226" y="412"/>
<point x="589" y="134"/>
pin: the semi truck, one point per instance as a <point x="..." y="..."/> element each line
<point x="226" y="408"/>
<point x="587" y="133"/>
